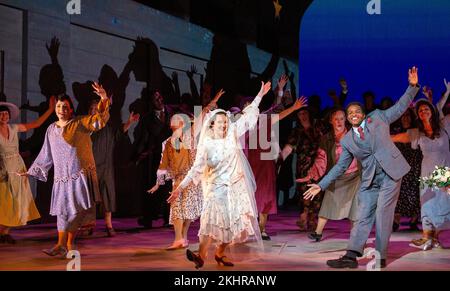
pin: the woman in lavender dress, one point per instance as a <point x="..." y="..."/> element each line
<point x="68" y="148"/>
<point x="432" y="136"/>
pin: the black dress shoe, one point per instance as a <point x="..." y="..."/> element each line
<point x="343" y="262"/>
<point x="198" y="261"/>
<point x="315" y="236"/>
<point x="221" y="261"/>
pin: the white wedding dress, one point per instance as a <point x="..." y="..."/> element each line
<point x="229" y="212"/>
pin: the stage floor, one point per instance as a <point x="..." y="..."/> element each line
<point x="137" y="249"/>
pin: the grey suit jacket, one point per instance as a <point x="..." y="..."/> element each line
<point x="383" y="150"/>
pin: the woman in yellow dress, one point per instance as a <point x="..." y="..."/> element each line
<point x="16" y="200"/>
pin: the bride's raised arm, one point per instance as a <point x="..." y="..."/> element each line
<point x="250" y="113"/>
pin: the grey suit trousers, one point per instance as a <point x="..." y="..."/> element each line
<point x="376" y="204"/>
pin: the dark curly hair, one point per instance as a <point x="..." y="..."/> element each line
<point x="435" y="122"/>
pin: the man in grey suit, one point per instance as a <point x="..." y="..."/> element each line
<point x="383" y="167"/>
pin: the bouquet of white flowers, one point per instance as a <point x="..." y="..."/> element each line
<point x="439" y="178"/>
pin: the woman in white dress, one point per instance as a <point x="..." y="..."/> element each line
<point x="229" y="213"/>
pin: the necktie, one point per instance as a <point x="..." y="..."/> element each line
<point x="361" y="132"/>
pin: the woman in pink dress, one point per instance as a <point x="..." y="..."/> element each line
<point x="263" y="165"/>
<point x="340" y="200"/>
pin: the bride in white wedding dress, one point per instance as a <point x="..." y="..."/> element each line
<point x="229" y="213"/>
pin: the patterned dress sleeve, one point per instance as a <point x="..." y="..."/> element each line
<point x="414" y="137"/>
<point x="97" y="121"/>
<point x="44" y="160"/>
